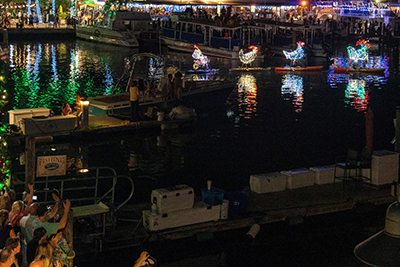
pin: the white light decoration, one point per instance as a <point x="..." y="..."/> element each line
<point x="361" y="53"/>
<point x="296" y="54"/>
<point x="250" y="56"/>
<point x="200" y="60"/>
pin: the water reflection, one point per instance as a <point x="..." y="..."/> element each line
<point x="292" y="90"/>
<point x="356" y="95"/>
<point x="247" y="95"/>
<point x="46" y="75"/>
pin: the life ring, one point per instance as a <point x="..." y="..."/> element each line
<point x="97" y="33"/>
<point x="195" y="66"/>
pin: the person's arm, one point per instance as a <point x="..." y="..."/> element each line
<point x="54" y="210"/>
<point x="28" y="199"/>
<point x="63" y="221"/>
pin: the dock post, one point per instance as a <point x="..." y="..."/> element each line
<point x="85" y="114"/>
<point x="30" y="156"/>
<point x="397" y="137"/>
<point x="5" y="36"/>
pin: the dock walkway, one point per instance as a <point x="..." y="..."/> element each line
<point x="262" y="209"/>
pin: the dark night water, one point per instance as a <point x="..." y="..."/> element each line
<point x="267" y="122"/>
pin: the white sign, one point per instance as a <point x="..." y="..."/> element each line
<point x="51" y="166"/>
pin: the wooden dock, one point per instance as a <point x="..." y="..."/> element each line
<point x="262" y="209"/>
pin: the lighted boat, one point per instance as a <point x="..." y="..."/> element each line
<point x="366" y="70"/>
<point x="288" y="68"/>
<point x="150" y="69"/>
<point x="122" y="28"/>
<point x="181" y="34"/>
<point x="201" y="63"/>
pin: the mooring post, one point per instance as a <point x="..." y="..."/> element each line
<point x="30" y="156"/>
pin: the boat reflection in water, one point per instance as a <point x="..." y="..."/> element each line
<point x="292" y="90"/>
<point x="357" y="84"/>
<point x="356" y="95"/>
<point x="247" y="95"/>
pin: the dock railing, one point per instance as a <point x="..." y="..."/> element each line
<point x="80" y="186"/>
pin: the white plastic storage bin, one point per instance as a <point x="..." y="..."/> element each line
<point x="179" y="197"/>
<point x="198" y="214"/>
<point x="324" y="174"/>
<point x="15" y="116"/>
<point x="385" y="167"/>
<point x="299" y="178"/>
<point x="267" y="182"/>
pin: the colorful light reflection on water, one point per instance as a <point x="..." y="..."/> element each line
<point x="292" y="90"/>
<point x="46" y="75"/>
<point x="247" y="89"/>
<point x="357" y="89"/>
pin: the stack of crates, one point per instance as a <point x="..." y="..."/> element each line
<point x="175" y="206"/>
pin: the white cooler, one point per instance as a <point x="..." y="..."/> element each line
<point x="179" y="197"/>
<point x="324" y="174"/>
<point x="198" y="214"/>
<point x="299" y="178"/>
<point x="267" y="182"/>
<point x="385" y="167"/>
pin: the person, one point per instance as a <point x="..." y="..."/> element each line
<point x="6" y="229"/>
<point x="163" y="87"/>
<point x="66" y="109"/>
<point x="178" y="85"/>
<point x="44" y="214"/>
<point x="39" y="236"/>
<point x="171" y="87"/>
<point x="6" y="258"/>
<point x="17" y="212"/>
<point x="61" y="249"/>
<point x="78" y="107"/>
<point x="43" y="255"/>
<point x="14" y="245"/>
<point x="134" y="97"/>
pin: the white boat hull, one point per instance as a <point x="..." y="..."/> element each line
<point x="105" y="35"/>
<point x="209" y="51"/>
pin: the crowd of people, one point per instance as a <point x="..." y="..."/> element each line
<point x="30" y="235"/>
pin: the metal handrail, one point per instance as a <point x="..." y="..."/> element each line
<point x="109" y="194"/>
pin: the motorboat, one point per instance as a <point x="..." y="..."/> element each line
<point x="122" y="28"/>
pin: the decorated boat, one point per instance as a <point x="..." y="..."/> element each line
<point x="122" y="28"/>
<point x="298" y="68"/>
<point x="365" y="70"/>
<point x="296" y="55"/>
<point x="201" y="63"/>
<point x="359" y="61"/>
<point x="181" y="34"/>
<point x="150" y="70"/>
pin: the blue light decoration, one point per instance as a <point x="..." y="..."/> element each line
<point x="360" y="54"/>
<point x="38" y="13"/>
<point x="249" y="57"/>
<point x="247" y="95"/>
<point x="296" y="54"/>
<point x="53" y="7"/>
<point x="73" y="9"/>
<point x="199" y="59"/>
<point x="292" y="89"/>
<point x="28" y="3"/>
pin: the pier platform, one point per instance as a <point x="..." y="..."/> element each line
<point x="262" y="209"/>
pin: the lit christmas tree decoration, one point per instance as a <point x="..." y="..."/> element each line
<point x="249" y="57"/>
<point x="200" y="60"/>
<point x="296" y="54"/>
<point x="361" y="53"/>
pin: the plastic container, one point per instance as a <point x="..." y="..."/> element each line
<point x="237" y="202"/>
<point x="213" y="196"/>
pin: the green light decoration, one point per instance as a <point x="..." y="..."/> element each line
<point x="4" y="157"/>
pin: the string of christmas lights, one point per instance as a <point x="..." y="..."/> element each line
<point x="249" y="57"/>
<point x="200" y="60"/>
<point x="361" y="53"/>
<point x="296" y="54"/>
